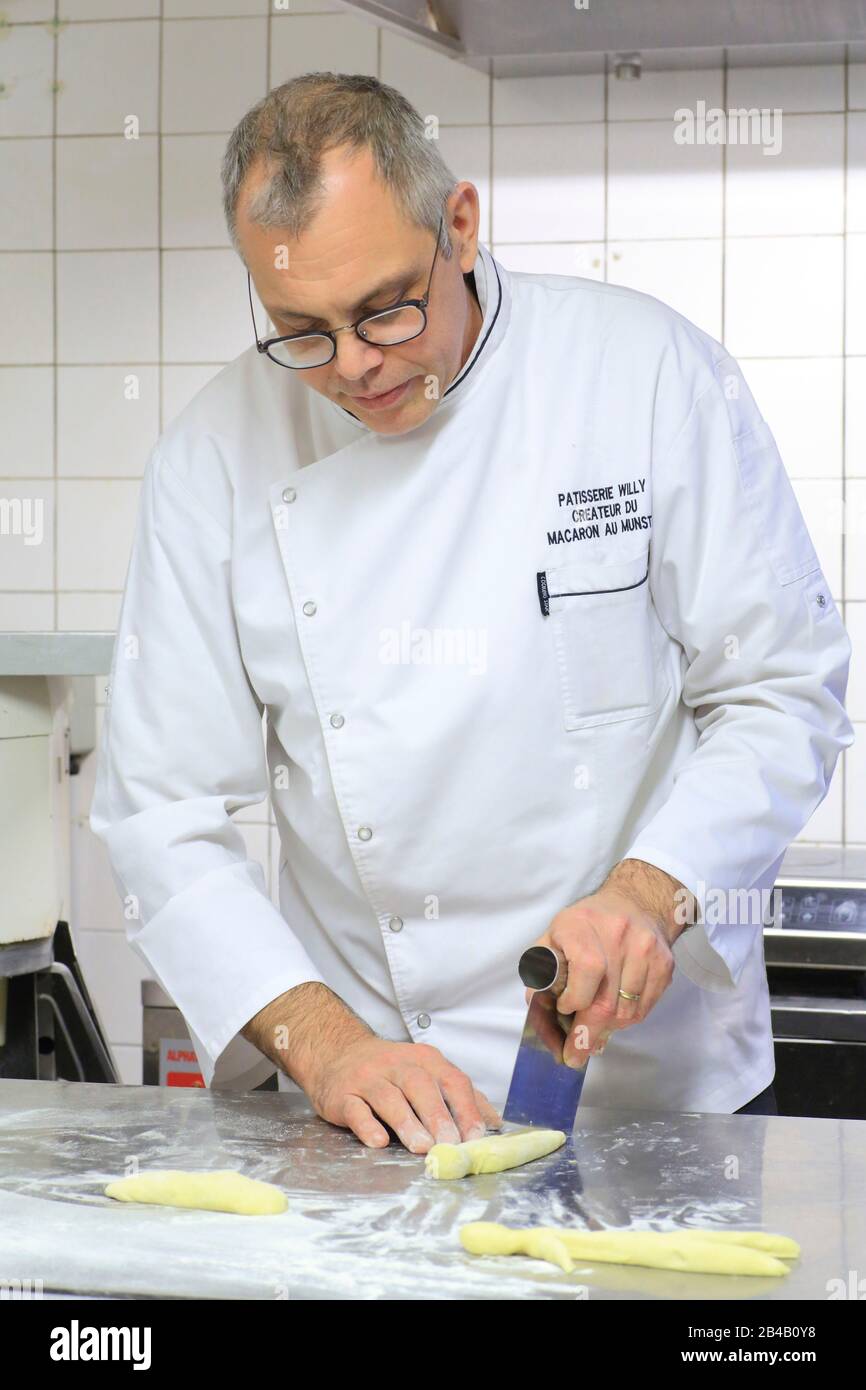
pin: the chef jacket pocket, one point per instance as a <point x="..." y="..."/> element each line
<point x="600" y="623"/>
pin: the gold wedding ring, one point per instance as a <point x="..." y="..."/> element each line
<point x="624" y="994"/>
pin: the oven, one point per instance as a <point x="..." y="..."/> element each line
<point x="815" y="952"/>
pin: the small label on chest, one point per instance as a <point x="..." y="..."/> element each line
<point x="594" y="513"/>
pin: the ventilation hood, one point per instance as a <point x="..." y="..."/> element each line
<point x="517" y="37"/>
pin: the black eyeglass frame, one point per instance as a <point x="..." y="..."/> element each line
<point x="421" y="304"/>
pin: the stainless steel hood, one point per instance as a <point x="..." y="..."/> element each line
<point x="512" y="37"/>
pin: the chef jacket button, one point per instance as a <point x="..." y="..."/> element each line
<point x="309" y="608"/>
<point x="337" y="721"/>
<point x="424" y="1020"/>
<point x="395" y="923"/>
<point x="289" y="494"/>
<point x="364" y="832"/>
<point x="821" y="601"/>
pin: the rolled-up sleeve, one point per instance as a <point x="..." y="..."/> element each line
<point x="181" y="749"/>
<point x="736" y="581"/>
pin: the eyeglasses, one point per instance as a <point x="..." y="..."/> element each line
<point x="384" y="328"/>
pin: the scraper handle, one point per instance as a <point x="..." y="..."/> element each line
<point x="545" y="971"/>
<point x="542" y="967"/>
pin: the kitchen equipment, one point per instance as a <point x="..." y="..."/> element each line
<point x="543" y="1090"/>
<point x="168" y="1055"/>
<point x="815" y="952"/>
<point x="48" y="1025"/>
<point x="47" y="721"/>
<point x="514" y="39"/>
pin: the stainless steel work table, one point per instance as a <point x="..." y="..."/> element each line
<point x="367" y="1224"/>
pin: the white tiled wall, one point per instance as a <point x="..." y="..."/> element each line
<point x="115" y="263"/>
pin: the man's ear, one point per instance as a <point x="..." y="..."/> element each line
<point x="464" y="223"/>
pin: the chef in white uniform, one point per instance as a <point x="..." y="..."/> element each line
<point x="517" y="577"/>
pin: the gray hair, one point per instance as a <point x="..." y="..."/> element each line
<point x="299" y="121"/>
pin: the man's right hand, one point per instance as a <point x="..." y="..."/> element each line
<point x="363" y="1082"/>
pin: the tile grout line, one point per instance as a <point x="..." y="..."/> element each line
<point x="843" y="769"/>
<point x="605" y="207"/>
<point x="159" y="228"/>
<point x="55" y="320"/>
<point x="724" y="245"/>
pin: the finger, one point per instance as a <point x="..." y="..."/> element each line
<point x="634" y="981"/>
<point x="590" y="1030"/>
<point x="602" y="1013"/>
<point x="388" y="1101"/>
<point x="546" y="1025"/>
<point x="424" y="1093"/>
<point x="359" y="1118"/>
<point x="581" y="1043"/>
<point x="461" y="1098"/>
<point x="658" y="978"/>
<point x="587" y="967"/>
<point x="490" y="1114"/>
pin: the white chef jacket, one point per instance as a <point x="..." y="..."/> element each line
<point x="574" y="616"/>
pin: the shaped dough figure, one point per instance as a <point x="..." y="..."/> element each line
<point x="491" y="1155"/>
<point x="693" y="1251"/>
<point x="223" y="1190"/>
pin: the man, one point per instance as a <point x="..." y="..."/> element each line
<point x="513" y="565"/>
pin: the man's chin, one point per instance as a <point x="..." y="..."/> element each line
<point x="410" y="410"/>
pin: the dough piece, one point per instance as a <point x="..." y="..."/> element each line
<point x="492" y="1154"/>
<point x="693" y="1251"/>
<point x="783" y="1246"/>
<point x="223" y="1190"/>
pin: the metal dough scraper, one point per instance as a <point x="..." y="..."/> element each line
<point x="543" y="1090"/>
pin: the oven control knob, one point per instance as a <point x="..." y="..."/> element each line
<point x="845" y="912"/>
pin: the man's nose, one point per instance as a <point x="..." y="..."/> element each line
<point x="355" y="357"/>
